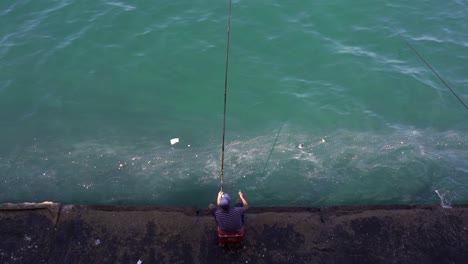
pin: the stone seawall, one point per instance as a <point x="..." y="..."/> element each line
<point x="55" y="233"/>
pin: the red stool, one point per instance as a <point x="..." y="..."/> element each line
<point x="230" y="238"/>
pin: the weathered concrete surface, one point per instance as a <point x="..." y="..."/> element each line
<point x="27" y="232"/>
<point x="53" y="233"/>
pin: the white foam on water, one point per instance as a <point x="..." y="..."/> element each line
<point x="407" y="157"/>
<point x="444" y="202"/>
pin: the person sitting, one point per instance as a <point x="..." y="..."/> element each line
<point x="229" y="219"/>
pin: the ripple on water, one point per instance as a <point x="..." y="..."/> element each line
<point x="72" y="37"/>
<point x="5" y="84"/>
<point x="122" y="5"/>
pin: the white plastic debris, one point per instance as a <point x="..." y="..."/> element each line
<point x="300" y="146"/>
<point x="139" y="262"/>
<point x="174" y="140"/>
<point x="323" y="140"/>
<point x="97" y="242"/>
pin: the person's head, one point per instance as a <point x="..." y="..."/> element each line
<point x="225" y="201"/>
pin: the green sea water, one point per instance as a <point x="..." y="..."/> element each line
<point x="92" y="92"/>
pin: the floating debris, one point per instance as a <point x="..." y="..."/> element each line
<point x="174" y="141"/>
<point x="301" y="145"/>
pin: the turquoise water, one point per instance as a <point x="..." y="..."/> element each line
<point x="91" y="92"/>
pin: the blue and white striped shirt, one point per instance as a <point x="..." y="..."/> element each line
<point x="230" y="220"/>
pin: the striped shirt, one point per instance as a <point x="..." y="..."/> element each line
<point x="230" y="220"/>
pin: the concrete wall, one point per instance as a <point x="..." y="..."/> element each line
<point x="54" y="233"/>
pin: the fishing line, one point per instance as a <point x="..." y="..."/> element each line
<point x="432" y="69"/>
<point x="225" y="95"/>
<point x="273" y="147"/>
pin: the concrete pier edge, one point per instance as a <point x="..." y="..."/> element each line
<point x="54" y="233"/>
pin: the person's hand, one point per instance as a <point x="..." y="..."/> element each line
<point x="220" y="194"/>
<point x="241" y="194"/>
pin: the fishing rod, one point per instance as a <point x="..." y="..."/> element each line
<point x="432" y="69"/>
<point x="225" y="94"/>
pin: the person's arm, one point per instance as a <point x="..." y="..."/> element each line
<point x="244" y="201"/>
<point x="218" y="201"/>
